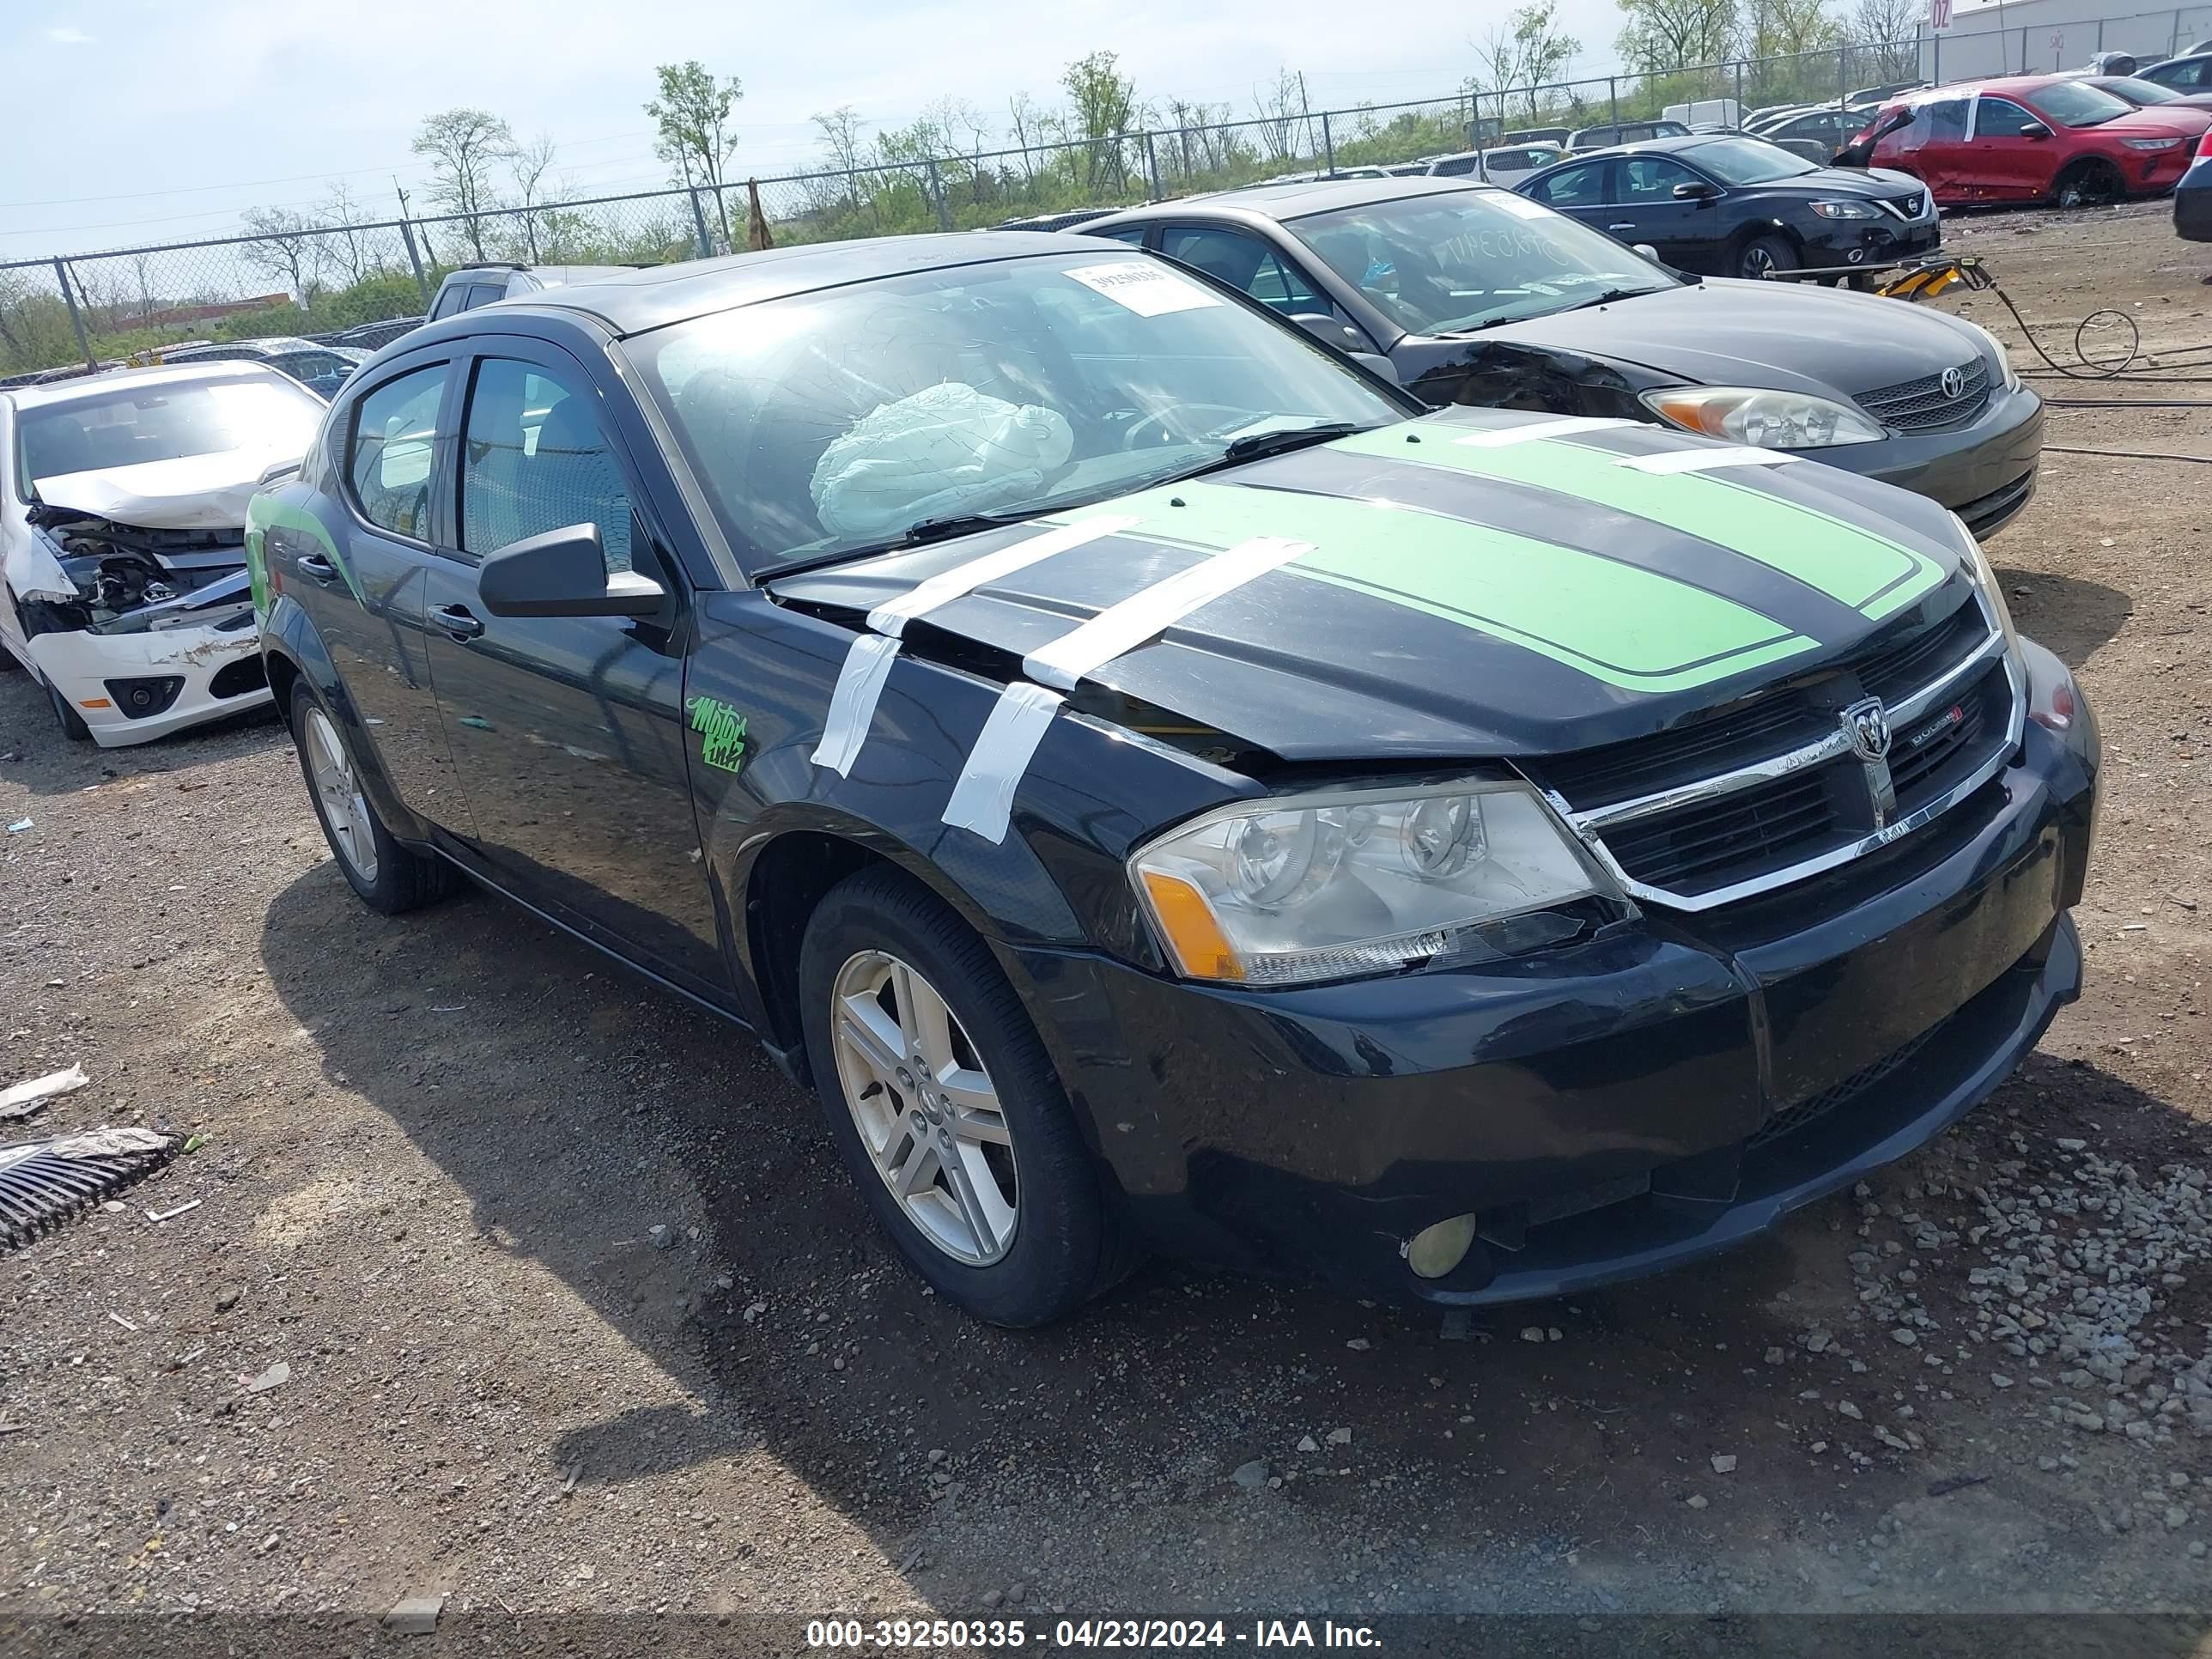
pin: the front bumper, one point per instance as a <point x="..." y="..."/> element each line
<point x="1629" y="1105"/>
<point x="1985" y="471"/>
<point x="1873" y="241"/>
<point x="186" y="675"/>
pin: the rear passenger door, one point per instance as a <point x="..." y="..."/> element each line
<point x="568" y="730"/>
<point x="365" y="593"/>
<point x="1580" y="191"/>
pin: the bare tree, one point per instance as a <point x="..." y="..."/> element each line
<point x="288" y="245"/>
<point x="1028" y="124"/>
<point x="1527" y="51"/>
<point x="841" y="141"/>
<point x="347" y="248"/>
<point x="1671" y="34"/>
<point x="1892" y="29"/>
<point x="464" y="147"/>
<point x="527" y="166"/>
<point x="1279" y="106"/>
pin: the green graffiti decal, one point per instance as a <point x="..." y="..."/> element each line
<point x="721" y="730"/>
<point x="268" y="512"/>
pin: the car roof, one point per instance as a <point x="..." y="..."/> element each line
<point x="99" y="385"/>
<point x="273" y="345"/>
<point x="1283" y="202"/>
<point x="631" y="299"/>
<point x="2003" y="85"/>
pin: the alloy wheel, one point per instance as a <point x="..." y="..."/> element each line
<point x="1757" y="261"/>
<point x="927" y="1112"/>
<point x="345" y="807"/>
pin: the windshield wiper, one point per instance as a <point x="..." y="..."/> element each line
<point x="1258" y="445"/>
<point x="1607" y="298"/>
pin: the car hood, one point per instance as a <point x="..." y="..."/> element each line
<point x="2159" y="121"/>
<point x="192" y="492"/>
<point x="1720" y="332"/>
<point x="1454" y="599"/>
<point x="1863" y="183"/>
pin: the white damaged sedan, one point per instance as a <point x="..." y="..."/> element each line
<point x="122" y="540"/>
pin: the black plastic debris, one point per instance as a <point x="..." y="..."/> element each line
<point x="43" y="1182"/>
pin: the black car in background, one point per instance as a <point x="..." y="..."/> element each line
<point x="374" y="337"/>
<point x="1733" y="206"/>
<point x="1210" y="804"/>
<point x="1470" y="294"/>
<point x="1814" y="134"/>
<point x="321" y="368"/>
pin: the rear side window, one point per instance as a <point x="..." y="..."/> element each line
<point x="534" y="460"/>
<point x="1582" y="187"/>
<point x="389" y="453"/>
<point x="454" y="298"/>
<point x="1455" y="166"/>
<point x="1939" y="122"/>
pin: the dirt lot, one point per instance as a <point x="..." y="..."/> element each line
<point x="435" y="1146"/>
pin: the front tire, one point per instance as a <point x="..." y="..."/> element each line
<point x="386" y="876"/>
<point x="1764" y="256"/>
<point x="71" y="722"/>
<point x="2091" y="182"/>
<point x="946" y="1107"/>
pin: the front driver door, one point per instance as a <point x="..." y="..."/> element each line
<point x="569" y="731"/>
<point x="2008" y="165"/>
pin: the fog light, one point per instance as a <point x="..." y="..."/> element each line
<point x="1435" y="1251"/>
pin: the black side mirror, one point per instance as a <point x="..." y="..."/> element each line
<point x="562" y="572"/>
<point x="2035" y="129"/>
<point x="1697" y="190"/>
<point x="1330" y="331"/>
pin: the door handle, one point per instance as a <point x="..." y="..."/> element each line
<point x="456" y="621"/>
<point x="315" y="565"/>
<point x="1629" y="226"/>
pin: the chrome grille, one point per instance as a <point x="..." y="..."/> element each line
<point x="1772" y="791"/>
<point x="1921" y="405"/>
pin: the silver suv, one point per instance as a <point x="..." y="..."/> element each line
<point x="471" y="286"/>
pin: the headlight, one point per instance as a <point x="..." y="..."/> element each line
<point x="1997" y="351"/>
<point x="1844" y="210"/>
<point x="1765" y="419"/>
<point x="1985" y="578"/>
<point x="1333" y="886"/>
<point x="2150" y="144"/>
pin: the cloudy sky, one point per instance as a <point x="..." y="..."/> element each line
<point x="163" y="120"/>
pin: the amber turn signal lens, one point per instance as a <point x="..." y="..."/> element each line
<point x="1202" y="950"/>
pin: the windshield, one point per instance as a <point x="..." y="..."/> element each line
<point x="834" y="422"/>
<point x="1434" y="265"/>
<point x="2137" y="91"/>
<point x="1749" y="161"/>
<point x="134" y="424"/>
<point x="2071" y="104"/>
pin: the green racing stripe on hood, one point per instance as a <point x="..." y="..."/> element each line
<point x="1852" y="564"/>
<point x="1635" y="628"/>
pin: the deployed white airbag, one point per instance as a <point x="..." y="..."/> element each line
<point x="940" y="452"/>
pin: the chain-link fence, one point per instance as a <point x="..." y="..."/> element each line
<point x="320" y="280"/>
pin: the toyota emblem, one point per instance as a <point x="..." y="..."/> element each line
<point x="1866" y="724"/>
<point x="1955" y="383"/>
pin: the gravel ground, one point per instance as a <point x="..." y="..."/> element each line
<point x="437" y="1149"/>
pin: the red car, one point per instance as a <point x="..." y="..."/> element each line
<point x="2030" y="139"/>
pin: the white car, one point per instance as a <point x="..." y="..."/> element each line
<point x="123" y="581"/>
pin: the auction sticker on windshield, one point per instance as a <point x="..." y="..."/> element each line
<point x="1147" y="290"/>
<point x="1520" y="206"/>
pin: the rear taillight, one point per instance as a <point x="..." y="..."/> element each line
<point x="2204" y="146"/>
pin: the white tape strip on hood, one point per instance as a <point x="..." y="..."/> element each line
<point x="983" y="797"/>
<point x="1124" y="627"/>
<point x="1704" y="460"/>
<point x="1573" y="426"/>
<point x="868" y="663"/>
<point x="892" y="615"/>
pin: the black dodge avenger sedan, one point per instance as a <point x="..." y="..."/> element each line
<point x="1477" y="295"/>
<point x="1164" y="790"/>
